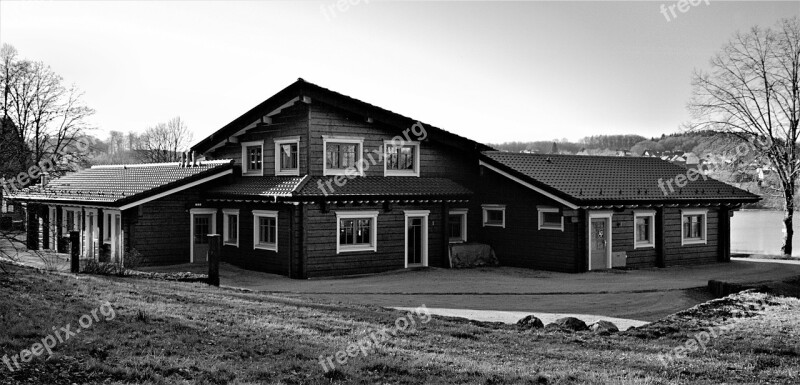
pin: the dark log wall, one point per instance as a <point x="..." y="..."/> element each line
<point x="622" y="240"/>
<point x="290" y="122"/>
<point x="322" y="259"/>
<point x="691" y="254"/>
<point x="521" y="243"/>
<point x="435" y="160"/>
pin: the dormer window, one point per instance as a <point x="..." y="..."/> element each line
<point x="253" y="158"/>
<point x="401" y="159"/>
<point x="342" y="155"/>
<point x="286" y="156"/>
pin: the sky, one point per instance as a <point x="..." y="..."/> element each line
<point x="490" y="71"/>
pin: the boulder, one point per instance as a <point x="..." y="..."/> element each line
<point x="603" y="327"/>
<point x="569" y="323"/>
<point x="530" y="322"/>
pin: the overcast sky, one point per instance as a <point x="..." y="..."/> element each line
<point x="489" y="71"/>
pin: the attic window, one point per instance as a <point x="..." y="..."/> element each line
<point x="252" y="158"/>
<point x="286" y="156"/>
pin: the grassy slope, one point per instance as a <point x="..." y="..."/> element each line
<point x="168" y="332"/>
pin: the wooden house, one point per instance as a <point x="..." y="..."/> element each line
<point x="313" y="183"/>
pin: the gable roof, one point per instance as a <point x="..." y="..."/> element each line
<point x="124" y="186"/>
<point x="590" y="180"/>
<point x="302" y="88"/>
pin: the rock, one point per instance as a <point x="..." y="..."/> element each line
<point x="603" y="327"/>
<point x="530" y="322"/>
<point x="569" y="324"/>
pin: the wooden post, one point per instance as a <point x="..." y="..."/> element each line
<point x="214" y="250"/>
<point x="75" y="251"/>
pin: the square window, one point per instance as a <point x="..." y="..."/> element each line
<point x="356" y="231"/>
<point x="401" y="160"/>
<point x="550" y="218"/>
<point x="342" y="156"/>
<point x="265" y="230"/>
<point x="494" y="216"/>
<point x="643" y="229"/>
<point x="693" y="226"/>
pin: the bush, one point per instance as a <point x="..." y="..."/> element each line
<point x="133" y="259"/>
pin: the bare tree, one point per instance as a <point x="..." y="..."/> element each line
<point x="752" y="92"/>
<point x="165" y="141"/>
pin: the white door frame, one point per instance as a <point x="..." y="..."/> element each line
<point x="192" y="213"/>
<point x="416" y="213"/>
<point x="115" y="233"/>
<point x="608" y="215"/>
<point x="90" y="234"/>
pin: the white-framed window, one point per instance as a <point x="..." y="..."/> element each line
<point x="400" y="159"/>
<point x="550" y="218"/>
<point x="72" y="220"/>
<point x="230" y="227"/>
<point x="342" y="155"/>
<point x="494" y="215"/>
<point x="356" y="231"/>
<point x="265" y="230"/>
<point x="644" y="229"/>
<point x="457" y="225"/>
<point x="287" y="158"/>
<point x="253" y="158"/>
<point x="5" y="205"/>
<point x="693" y="226"/>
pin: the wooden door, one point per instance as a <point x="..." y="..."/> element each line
<point x="415" y="242"/>
<point x="201" y="229"/>
<point x="598" y="244"/>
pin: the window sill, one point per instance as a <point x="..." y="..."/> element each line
<point x="551" y="227"/>
<point x="457" y="241"/>
<point x="685" y="242"/>
<point x="644" y="245"/>
<point x="350" y="249"/>
<point x="410" y="173"/>
<point x="494" y="225"/>
<point x="229" y="243"/>
<point x="253" y="173"/>
<point x="294" y="172"/>
<point x="267" y="247"/>
<point x="345" y="171"/>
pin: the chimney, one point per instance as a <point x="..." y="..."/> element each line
<point x="194" y="161"/>
<point x="182" y="161"/>
<point x="44" y="180"/>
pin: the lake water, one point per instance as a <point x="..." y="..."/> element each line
<point x="761" y="232"/>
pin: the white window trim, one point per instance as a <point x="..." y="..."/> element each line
<point x="408" y="214"/>
<point x="463" y="214"/>
<point x="226" y="222"/>
<point x="359" y="169"/>
<point x="192" y="213"/>
<point x="390" y="144"/>
<point x="485" y="208"/>
<point x="278" y="143"/>
<point x="645" y="214"/>
<point x="246" y="160"/>
<point x="693" y="241"/>
<point x="546" y="209"/>
<point x="264" y="214"/>
<point x="373" y="246"/>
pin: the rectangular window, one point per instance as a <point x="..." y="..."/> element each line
<point x="252" y="158"/>
<point x="356" y="231"/>
<point x="401" y="160"/>
<point x="693" y="226"/>
<point x="494" y="215"/>
<point x="550" y="218"/>
<point x="457" y="226"/>
<point x="265" y="230"/>
<point x="286" y="156"/>
<point x="10" y="207"/>
<point x="342" y="155"/>
<point x="644" y="229"/>
<point x="230" y="227"/>
<point x="5" y="206"/>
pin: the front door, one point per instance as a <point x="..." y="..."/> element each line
<point x="598" y="244"/>
<point x="201" y="229"/>
<point x="415" y="241"/>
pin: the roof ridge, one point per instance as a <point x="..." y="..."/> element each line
<point x="176" y="164"/>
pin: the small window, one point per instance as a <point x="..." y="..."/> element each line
<point x="643" y="229"/>
<point x="265" y="230"/>
<point x="286" y="156"/>
<point x="457" y="225"/>
<point x="342" y="156"/>
<point x="230" y="227"/>
<point x="252" y="158"/>
<point x="356" y="231"/>
<point x="693" y="227"/>
<point x="10" y="207"/>
<point x="494" y="215"/>
<point x="5" y="206"/>
<point x="550" y="218"/>
<point x="401" y="160"/>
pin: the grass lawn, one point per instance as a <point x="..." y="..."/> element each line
<point x="168" y="332"/>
